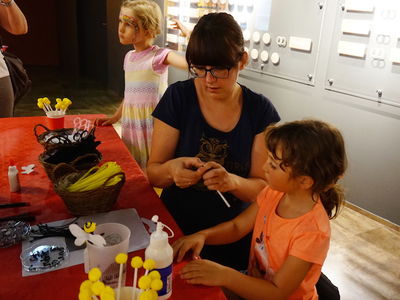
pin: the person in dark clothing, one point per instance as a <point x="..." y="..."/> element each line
<point x="208" y="137"/>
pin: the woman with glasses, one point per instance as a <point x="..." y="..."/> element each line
<point x="208" y="139"/>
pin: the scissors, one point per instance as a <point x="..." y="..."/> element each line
<point x="81" y="126"/>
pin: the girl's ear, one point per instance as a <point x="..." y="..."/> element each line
<point x="306" y="182"/>
<point x="244" y="60"/>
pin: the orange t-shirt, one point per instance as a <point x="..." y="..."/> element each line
<point x="275" y="238"/>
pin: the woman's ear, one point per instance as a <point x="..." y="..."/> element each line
<point x="244" y="60"/>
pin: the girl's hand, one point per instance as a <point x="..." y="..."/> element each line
<point x="105" y="121"/>
<point x="193" y="242"/>
<point x="176" y="24"/>
<point x="216" y="177"/>
<point x="184" y="171"/>
<point x="203" y="271"/>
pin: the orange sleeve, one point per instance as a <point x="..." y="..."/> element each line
<point x="310" y="246"/>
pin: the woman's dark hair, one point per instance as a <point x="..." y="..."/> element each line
<point x="315" y="149"/>
<point x="216" y="40"/>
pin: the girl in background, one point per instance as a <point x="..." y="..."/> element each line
<point x="13" y="20"/>
<point x="290" y="219"/>
<point x="146" y="75"/>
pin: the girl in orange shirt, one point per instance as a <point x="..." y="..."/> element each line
<point x="290" y="219"/>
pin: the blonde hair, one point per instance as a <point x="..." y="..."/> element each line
<point x="149" y="14"/>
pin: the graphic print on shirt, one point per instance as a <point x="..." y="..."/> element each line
<point x="259" y="264"/>
<point x="211" y="149"/>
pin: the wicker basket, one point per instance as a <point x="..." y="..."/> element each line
<point x="65" y="137"/>
<point x="81" y="163"/>
<point x="85" y="203"/>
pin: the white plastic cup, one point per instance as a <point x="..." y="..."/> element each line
<point x="104" y="257"/>
<point x="126" y="293"/>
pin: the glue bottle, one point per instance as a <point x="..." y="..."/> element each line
<point x="13" y="178"/>
<point x="161" y="252"/>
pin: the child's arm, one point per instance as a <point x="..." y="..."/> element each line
<point x="224" y="233"/>
<point x="176" y="24"/>
<point x="284" y="282"/>
<point x="110" y="120"/>
<point x="176" y="60"/>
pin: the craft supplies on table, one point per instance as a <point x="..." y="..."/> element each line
<point x="139" y="238"/>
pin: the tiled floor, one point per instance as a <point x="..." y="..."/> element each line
<point x="364" y="257"/>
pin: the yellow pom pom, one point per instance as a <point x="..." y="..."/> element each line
<point x="145" y="296"/>
<point x="121" y="258"/>
<point x="87" y="284"/>
<point x="94" y="274"/>
<point x="98" y="287"/>
<point x="149" y="264"/>
<point x="46" y="100"/>
<point x="89" y="227"/>
<point x="156" y="284"/>
<point x="148" y="295"/>
<point x="144" y="282"/>
<point x="107" y="297"/>
<point x="85" y="295"/>
<point x="137" y="262"/>
<point x="109" y="290"/>
<point x="40" y="105"/>
<point x="58" y="100"/>
<point x="107" y="293"/>
<point x="155" y="275"/>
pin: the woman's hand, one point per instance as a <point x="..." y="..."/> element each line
<point x="216" y="177"/>
<point x="203" y="271"/>
<point x="184" y="171"/>
<point x="193" y="242"/>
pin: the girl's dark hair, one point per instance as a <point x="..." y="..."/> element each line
<point x="316" y="149"/>
<point x="216" y="40"/>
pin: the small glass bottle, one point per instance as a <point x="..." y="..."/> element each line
<point x="13" y="178"/>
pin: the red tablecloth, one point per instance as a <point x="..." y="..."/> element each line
<point x="18" y="142"/>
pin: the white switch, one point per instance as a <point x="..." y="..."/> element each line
<point x="275" y="58"/>
<point x="299" y="43"/>
<point x="264" y="56"/>
<point x="378" y="53"/>
<point x="395" y="56"/>
<point x="256" y="37"/>
<point x="359" y="5"/>
<point x="281" y="41"/>
<point x="254" y="54"/>
<point x="352" y="49"/>
<point x="266" y="38"/>
<point x="359" y="27"/>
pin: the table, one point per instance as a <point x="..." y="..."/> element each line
<point x="18" y="142"/>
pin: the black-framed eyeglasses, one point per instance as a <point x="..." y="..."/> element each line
<point x="216" y="72"/>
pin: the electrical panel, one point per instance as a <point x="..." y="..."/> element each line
<point x="365" y="52"/>
<point x="281" y="37"/>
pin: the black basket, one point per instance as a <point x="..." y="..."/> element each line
<point x="81" y="163"/>
<point x="65" y="137"/>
